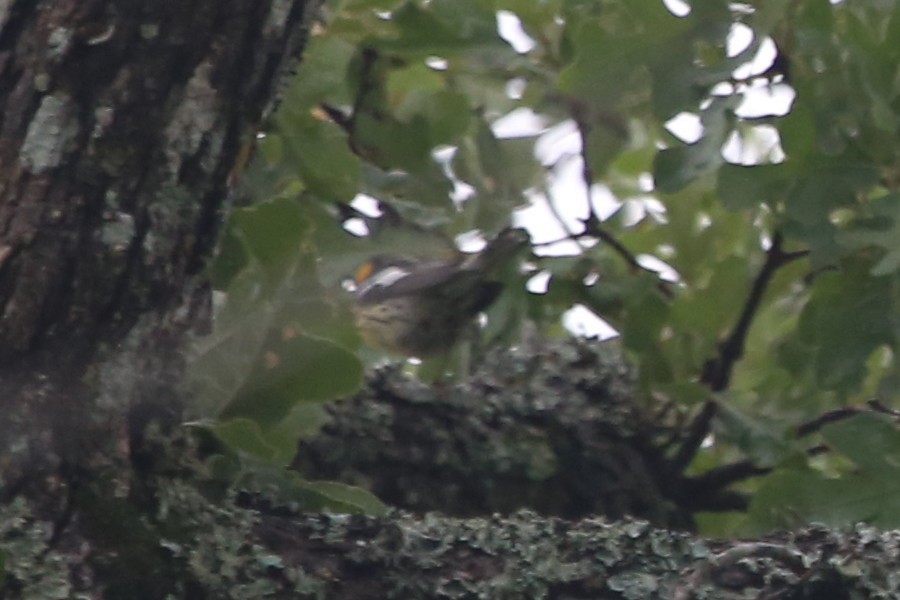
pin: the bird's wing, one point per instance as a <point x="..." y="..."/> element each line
<point x="398" y="281"/>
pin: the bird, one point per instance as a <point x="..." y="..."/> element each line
<point x="420" y="306"/>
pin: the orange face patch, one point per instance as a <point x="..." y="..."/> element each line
<point x="363" y="272"/>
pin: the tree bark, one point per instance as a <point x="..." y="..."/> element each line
<point x="123" y="124"/>
<point x="220" y="552"/>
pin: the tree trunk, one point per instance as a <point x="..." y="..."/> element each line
<point x="123" y="124"/>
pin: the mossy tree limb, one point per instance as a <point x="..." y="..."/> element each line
<point x="215" y="552"/>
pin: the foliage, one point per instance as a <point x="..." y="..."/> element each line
<point x="779" y="280"/>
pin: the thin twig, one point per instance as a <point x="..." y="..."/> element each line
<point x="880" y="407"/>
<point x="839" y="414"/>
<point x="832" y="416"/>
<point x="569" y="238"/>
<point x="593" y="226"/>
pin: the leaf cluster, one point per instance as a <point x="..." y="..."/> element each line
<point x="750" y="263"/>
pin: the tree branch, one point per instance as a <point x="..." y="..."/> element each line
<point x="717" y="371"/>
<point x="716" y="479"/>
<point x="696" y="433"/>
<point x="713" y="482"/>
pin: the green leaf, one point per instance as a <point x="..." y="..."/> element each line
<point x="294" y="369"/>
<point x="605" y="65"/>
<point x="245" y="435"/>
<point x="499" y="170"/>
<point x="676" y="167"/>
<point x="319" y="152"/>
<point x="743" y="188"/>
<point x="762" y="439"/>
<point x="231" y="257"/>
<point x="871" y="492"/>
<point x="845" y="321"/>
<point x="224" y="359"/>
<point x="872" y="442"/>
<point x="276" y="444"/>
<point x="286" y="487"/>
<point x="449" y="116"/>
<point x="304" y="420"/>
<point x="602" y="147"/>
<point x="882" y="230"/>
<point x="321" y="75"/>
<point x="828" y="183"/>
<point x="794" y="496"/>
<point x="708" y="309"/>
<point x="648" y="313"/>
<point x="797" y="131"/>
<point x="391" y="144"/>
<point x="442" y="28"/>
<point x="271" y="233"/>
<point x="357" y="499"/>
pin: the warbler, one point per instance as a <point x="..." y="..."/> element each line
<point x="421" y="306"/>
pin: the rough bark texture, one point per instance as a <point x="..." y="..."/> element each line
<point x="203" y="550"/>
<point x="553" y="428"/>
<point x="121" y="122"/>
